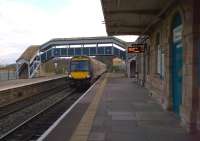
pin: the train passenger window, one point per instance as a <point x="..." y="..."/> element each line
<point x="79" y="66"/>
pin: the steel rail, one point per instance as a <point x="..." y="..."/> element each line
<point x="4" y="136"/>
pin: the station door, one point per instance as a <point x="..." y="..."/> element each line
<point x="177" y="63"/>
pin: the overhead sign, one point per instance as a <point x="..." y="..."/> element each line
<point x="136" y="48"/>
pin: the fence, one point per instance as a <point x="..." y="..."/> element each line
<point x="7" y="75"/>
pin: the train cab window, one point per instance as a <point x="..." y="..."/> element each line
<point x="79" y="66"/>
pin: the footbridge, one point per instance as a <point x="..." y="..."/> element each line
<point x="69" y="47"/>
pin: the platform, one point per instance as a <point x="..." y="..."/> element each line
<point x="10" y="84"/>
<point x="13" y="91"/>
<point x="118" y="110"/>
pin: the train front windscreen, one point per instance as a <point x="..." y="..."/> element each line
<point x="80" y="65"/>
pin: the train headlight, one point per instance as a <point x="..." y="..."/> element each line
<point x="88" y="76"/>
<point x="70" y="76"/>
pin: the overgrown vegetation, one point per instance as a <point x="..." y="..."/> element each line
<point x="55" y="66"/>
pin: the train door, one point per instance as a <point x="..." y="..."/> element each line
<point x="177" y="63"/>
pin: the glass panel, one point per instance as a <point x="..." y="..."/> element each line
<point x="116" y="51"/>
<point x="43" y="57"/>
<point x="77" y="51"/>
<point x="93" y="51"/>
<point x="79" y="65"/>
<point x="63" y="52"/>
<point x="122" y="55"/>
<point x="108" y="50"/>
<point x="56" y="52"/>
<point x="85" y="51"/>
<point x="100" y="50"/>
<point x="49" y="54"/>
<point x="71" y="52"/>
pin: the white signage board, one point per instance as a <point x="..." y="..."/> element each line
<point x="177" y="34"/>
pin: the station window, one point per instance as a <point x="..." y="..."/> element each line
<point x="148" y="59"/>
<point x="158" y="60"/>
<point x="159" y="57"/>
<point x="162" y="64"/>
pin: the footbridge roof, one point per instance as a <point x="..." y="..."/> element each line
<point x="82" y="40"/>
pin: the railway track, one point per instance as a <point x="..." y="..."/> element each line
<point x="15" y="107"/>
<point x="33" y="128"/>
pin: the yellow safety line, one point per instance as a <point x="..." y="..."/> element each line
<point x="83" y="129"/>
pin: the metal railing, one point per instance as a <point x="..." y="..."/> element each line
<point x="7" y="75"/>
<point x="33" y="68"/>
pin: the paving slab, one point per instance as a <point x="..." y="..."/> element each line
<point x="97" y="136"/>
<point x="126" y="112"/>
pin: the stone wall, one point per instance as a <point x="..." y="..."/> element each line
<point x="161" y="88"/>
<point x="196" y="97"/>
<point x="19" y="93"/>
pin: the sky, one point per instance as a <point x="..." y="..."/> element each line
<point x="34" y="22"/>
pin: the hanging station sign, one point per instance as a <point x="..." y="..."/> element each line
<point x="136" y="48"/>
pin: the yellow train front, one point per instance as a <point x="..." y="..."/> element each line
<point x="83" y="70"/>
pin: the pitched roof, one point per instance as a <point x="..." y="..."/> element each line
<point x="29" y="52"/>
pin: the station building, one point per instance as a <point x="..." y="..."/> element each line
<point x="170" y="66"/>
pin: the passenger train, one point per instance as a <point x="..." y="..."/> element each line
<point x="83" y="70"/>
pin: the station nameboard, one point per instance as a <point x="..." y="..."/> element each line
<point x="136" y="48"/>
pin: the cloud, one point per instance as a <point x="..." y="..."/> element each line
<point x="24" y="23"/>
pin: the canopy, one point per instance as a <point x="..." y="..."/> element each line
<point x="132" y="17"/>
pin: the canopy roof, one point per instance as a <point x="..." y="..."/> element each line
<point x="29" y="53"/>
<point x="132" y="17"/>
